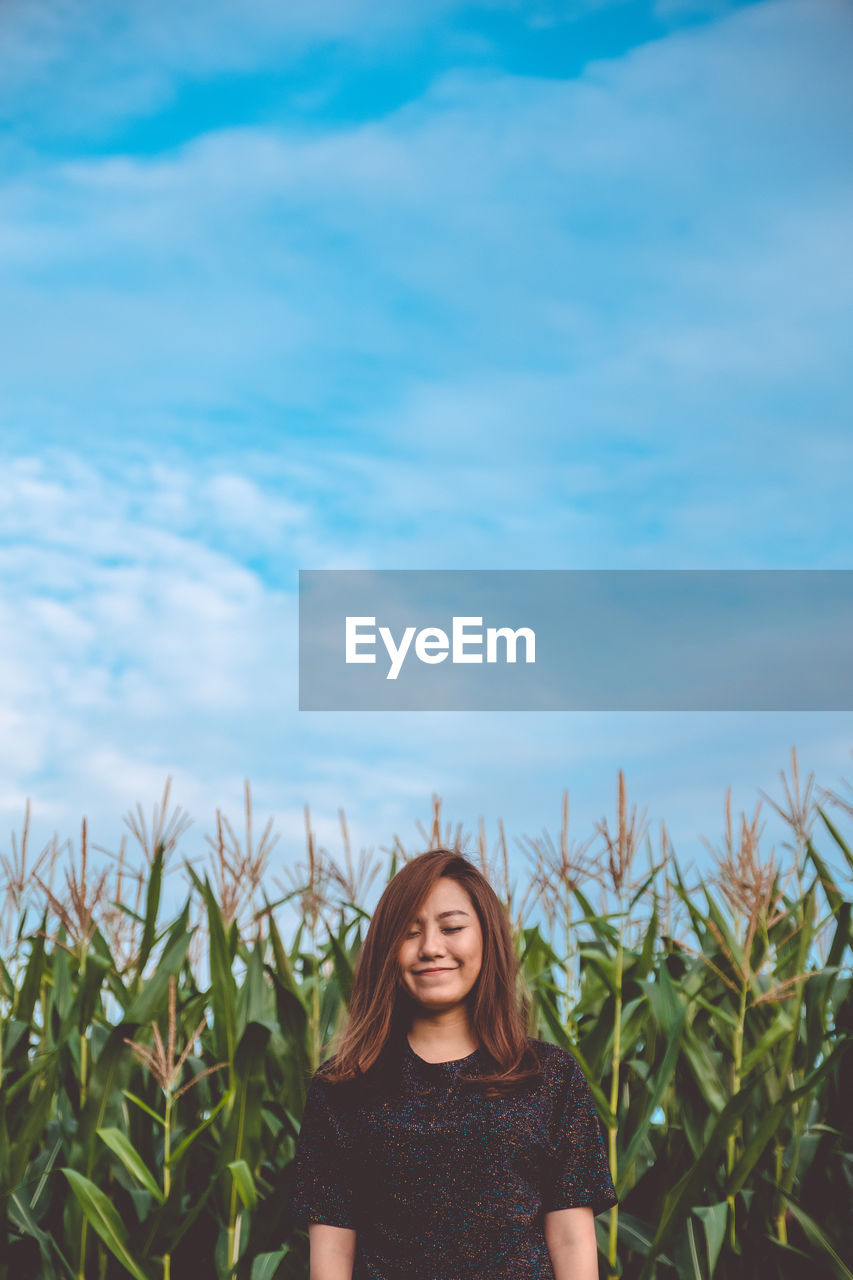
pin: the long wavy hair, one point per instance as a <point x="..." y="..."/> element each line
<point x="381" y="1007"/>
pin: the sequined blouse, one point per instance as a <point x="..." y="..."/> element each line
<point x="442" y="1182"/>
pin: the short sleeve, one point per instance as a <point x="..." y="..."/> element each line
<point x="580" y="1171"/>
<point x="324" y="1185"/>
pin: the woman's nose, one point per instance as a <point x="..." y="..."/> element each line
<point x="430" y="941"/>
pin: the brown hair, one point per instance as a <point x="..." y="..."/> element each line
<point x="380" y="1006"/>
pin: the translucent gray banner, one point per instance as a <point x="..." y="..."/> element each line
<point x="576" y="640"/>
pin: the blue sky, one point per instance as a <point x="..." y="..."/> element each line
<point x="422" y="285"/>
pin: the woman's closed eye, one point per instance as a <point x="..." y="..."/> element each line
<point x="450" y="929"/>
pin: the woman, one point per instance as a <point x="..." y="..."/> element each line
<point x="441" y="1142"/>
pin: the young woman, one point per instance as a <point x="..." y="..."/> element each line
<point x="441" y="1142"/>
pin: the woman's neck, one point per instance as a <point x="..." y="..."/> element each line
<point x="438" y="1041"/>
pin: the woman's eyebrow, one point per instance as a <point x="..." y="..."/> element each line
<point x="442" y="915"/>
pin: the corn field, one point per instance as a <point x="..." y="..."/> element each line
<point x="157" y="1032"/>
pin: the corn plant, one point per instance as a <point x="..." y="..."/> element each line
<point x="154" y="1057"/>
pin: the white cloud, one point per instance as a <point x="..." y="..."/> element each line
<point x="516" y="323"/>
<point x="121" y="626"/>
<point x="152" y="652"/>
<point x="92" y="64"/>
<point x="242" y="506"/>
<point x="638" y="224"/>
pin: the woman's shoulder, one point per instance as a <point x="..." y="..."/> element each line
<point x="321" y="1084"/>
<point x="350" y="1091"/>
<point x="557" y="1063"/>
<point x="339" y="1098"/>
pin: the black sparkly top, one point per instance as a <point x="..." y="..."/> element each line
<point x="441" y="1182"/>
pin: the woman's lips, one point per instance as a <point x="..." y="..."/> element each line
<point x="425" y="973"/>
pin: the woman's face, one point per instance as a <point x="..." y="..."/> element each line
<point x="442" y="953"/>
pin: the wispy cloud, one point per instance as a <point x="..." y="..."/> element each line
<point x="112" y="61"/>
<point x="518" y="320"/>
<point x="135" y="647"/>
<point x="638" y="227"/>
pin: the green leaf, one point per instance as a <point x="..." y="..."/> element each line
<point x="833" y="894"/>
<point x="152" y="907"/>
<point x="254" y="999"/>
<point x="636" y="1234"/>
<point x="713" y="1218"/>
<point x="817" y="1237"/>
<point x="638" y="894"/>
<point x="705" y="1070"/>
<point x="151" y="999"/>
<point x="223" y="989"/>
<point x="7" y="986"/>
<point x="103" y="1096"/>
<point x="772" y="1118"/>
<point x="692" y="1271"/>
<point x="90" y="981"/>
<point x="679" y="1200"/>
<point x="266" y="1264"/>
<point x="24" y="1222"/>
<point x="243" y="1135"/>
<point x="779" y="1027"/>
<point x="283" y="968"/>
<point x="604" y="965"/>
<point x="646" y="961"/>
<point x="343" y="968"/>
<point x="40" y="1083"/>
<point x="730" y="944"/>
<point x="836" y="835"/>
<point x="12" y="1033"/>
<point x="670" y="1012"/>
<point x="843" y="938"/>
<point x="102" y="1215"/>
<point x="245" y="1183"/>
<point x="187" y="1142"/>
<point x="194" y="876"/>
<point x="131" y="1097"/>
<point x="598" y="923"/>
<point x="601" y="1237"/>
<point x="717" y="1011"/>
<point x="30" y="987"/>
<point x="119" y="1143"/>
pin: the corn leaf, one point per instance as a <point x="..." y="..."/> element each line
<point x="814" y="1233"/>
<point x="244" y="1183"/>
<point x="266" y="1265"/>
<point x="121" y="1146"/>
<point x="103" y="1217"/>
